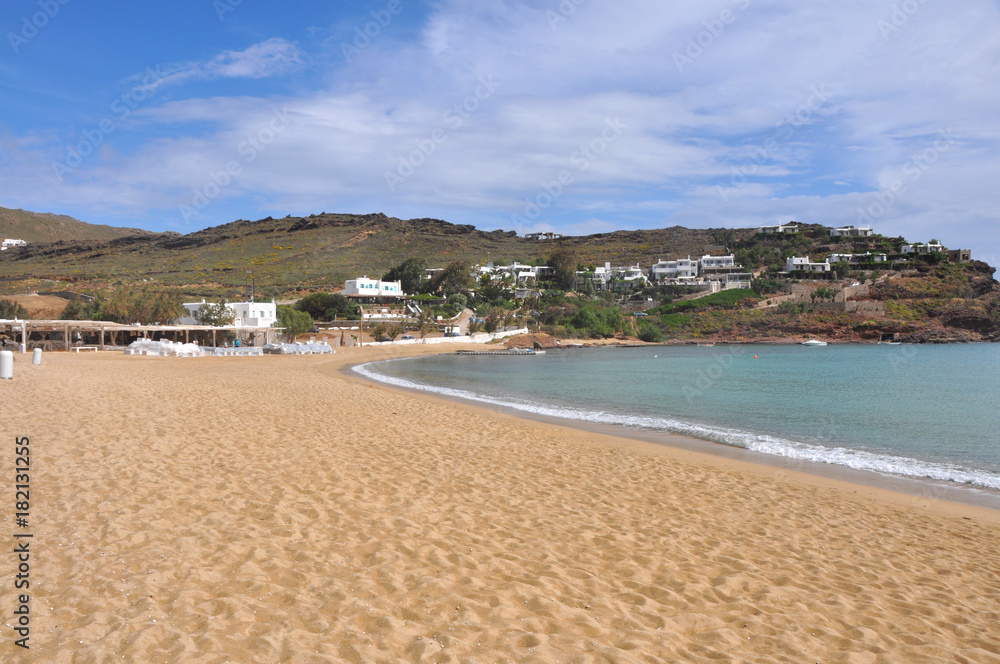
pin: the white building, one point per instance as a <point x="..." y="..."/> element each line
<point x="737" y="280"/>
<point x="866" y="257"/>
<point x="791" y="227"/>
<point x="542" y="236"/>
<point x="245" y="314"/>
<point x="11" y="242"/>
<point x="682" y="268"/>
<point x="521" y="273"/>
<point x="803" y="264"/>
<point x="602" y="276"/>
<point x="717" y="262"/>
<point x="921" y="248"/>
<point x="365" y="287"/>
<point x="851" y="231"/>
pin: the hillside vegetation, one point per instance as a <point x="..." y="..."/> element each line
<point x="47" y="227"/>
<point x="915" y="298"/>
<point x="301" y="254"/>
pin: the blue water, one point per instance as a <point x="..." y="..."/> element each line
<point x="917" y="411"/>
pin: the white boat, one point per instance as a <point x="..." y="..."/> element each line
<point x="814" y="342"/>
<point x="705" y="345"/>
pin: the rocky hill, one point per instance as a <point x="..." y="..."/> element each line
<point x="46" y="227"/>
<point x="316" y="252"/>
<point x="924" y="298"/>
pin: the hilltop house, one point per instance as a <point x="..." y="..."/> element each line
<point x="542" y="236"/>
<point x="10" y="243"/>
<point x="866" y="257"/>
<point x="921" y="248"/>
<point x="803" y="264"/>
<point x="520" y="272"/>
<point x="780" y="229"/>
<point x="602" y="276"/>
<point x="851" y="231"/>
<point x="715" y="271"/>
<point x="682" y="268"/>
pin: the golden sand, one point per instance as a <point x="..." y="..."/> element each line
<point x="276" y="510"/>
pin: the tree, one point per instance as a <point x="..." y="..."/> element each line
<point x="841" y="268"/>
<point x="563" y="262"/>
<point x="327" y="306"/>
<point x="649" y="333"/>
<point x="454" y="278"/>
<point x="216" y="315"/>
<point x="380" y="331"/>
<point x="425" y="321"/>
<point x="294" y="321"/>
<point x="10" y="309"/>
<point x="144" y="304"/>
<point x="92" y="309"/>
<point x="410" y="274"/>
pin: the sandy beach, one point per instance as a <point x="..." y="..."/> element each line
<point x="277" y="509"/>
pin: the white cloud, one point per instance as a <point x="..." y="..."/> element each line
<point x="790" y="110"/>
<point x="273" y="57"/>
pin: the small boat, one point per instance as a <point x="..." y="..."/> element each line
<point x="706" y="345"/>
<point x="892" y="343"/>
<point x="814" y="342"/>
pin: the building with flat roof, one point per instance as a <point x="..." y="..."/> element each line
<point x="852" y="231"/>
<point x="780" y="229"/>
<point x="363" y="287"/>
<point x="10" y="243"/>
<point x="245" y="314"/>
<point x="803" y="264"/>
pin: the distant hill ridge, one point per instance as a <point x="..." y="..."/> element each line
<point x="319" y="251"/>
<point x="48" y="227"/>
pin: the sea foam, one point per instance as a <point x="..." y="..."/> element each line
<point x="764" y="444"/>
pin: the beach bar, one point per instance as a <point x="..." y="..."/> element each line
<point x="103" y="335"/>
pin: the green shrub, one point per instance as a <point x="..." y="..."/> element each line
<point x="648" y="332"/>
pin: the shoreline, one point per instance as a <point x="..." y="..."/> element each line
<point x="898" y="489"/>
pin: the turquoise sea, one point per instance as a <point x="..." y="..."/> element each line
<point x="922" y="411"/>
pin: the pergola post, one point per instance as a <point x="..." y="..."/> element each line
<point x="102" y="337"/>
<point x="66" y="336"/>
<point x="214" y="345"/>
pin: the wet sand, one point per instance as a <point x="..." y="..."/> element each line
<point x="277" y="510"/>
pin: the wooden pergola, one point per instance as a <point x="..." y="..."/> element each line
<point x="20" y="331"/>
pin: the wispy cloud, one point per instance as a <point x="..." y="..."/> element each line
<point x="808" y="125"/>
<point x="273" y="57"/>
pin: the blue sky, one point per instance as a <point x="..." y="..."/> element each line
<point x="577" y="116"/>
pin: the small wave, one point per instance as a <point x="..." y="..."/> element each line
<point x="762" y="443"/>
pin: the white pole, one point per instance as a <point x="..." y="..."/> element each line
<point x="6" y="365"/>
